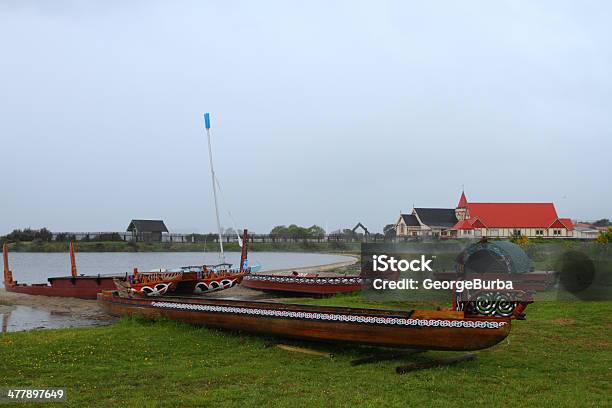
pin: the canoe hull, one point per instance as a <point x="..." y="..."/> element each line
<point x="83" y="287"/>
<point x="303" y="285"/>
<point x="431" y="330"/>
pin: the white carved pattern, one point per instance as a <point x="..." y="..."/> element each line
<point x="471" y="324"/>
<point x="203" y="287"/>
<point x="156" y="290"/>
<point x="301" y="280"/>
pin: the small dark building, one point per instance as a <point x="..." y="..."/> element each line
<point x="147" y="230"/>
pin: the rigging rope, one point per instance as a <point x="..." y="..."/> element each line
<point x="229" y="213"/>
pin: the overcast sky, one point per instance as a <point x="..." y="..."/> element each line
<point x="323" y="113"/>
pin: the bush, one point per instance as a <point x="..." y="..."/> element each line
<point x="63" y="237"/>
<point x="29" y="234"/>
<point x="605" y="238"/>
<point x="113" y="236"/>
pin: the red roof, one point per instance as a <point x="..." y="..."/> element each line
<point x="462" y="201"/>
<point x="476" y="223"/>
<point x="469" y="224"/>
<point x="463" y="225"/>
<point x="567" y="223"/>
<point x="514" y="215"/>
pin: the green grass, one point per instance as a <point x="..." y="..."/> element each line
<point x="561" y="356"/>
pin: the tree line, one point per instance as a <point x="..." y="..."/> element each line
<point x="296" y="232"/>
<point x="44" y="235"/>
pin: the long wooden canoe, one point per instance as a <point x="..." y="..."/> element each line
<point x="423" y="329"/>
<point x="312" y="284"/>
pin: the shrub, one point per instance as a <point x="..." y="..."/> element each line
<point x="29" y="234"/>
<point x="605" y="237"/>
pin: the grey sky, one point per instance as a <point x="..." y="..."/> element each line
<point x="323" y="113"/>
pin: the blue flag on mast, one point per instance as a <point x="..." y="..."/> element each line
<point x="207" y="120"/>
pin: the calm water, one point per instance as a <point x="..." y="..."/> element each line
<point x="22" y="318"/>
<point x="36" y="267"/>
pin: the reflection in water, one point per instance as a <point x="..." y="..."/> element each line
<point x="5" y="321"/>
<point x="23" y="318"/>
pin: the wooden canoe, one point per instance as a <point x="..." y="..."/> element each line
<point x="178" y="283"/>
<point x="79" y="286"/>
<point x="423" y="329"/>
<point x="312" y="284"/>
<point x="84" y="287"/>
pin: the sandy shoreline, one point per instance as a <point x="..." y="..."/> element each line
<point x="81" y="308"/>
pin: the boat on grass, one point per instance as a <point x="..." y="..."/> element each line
<point x="453" y="330"/>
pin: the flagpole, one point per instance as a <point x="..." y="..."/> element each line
<point x="214" y="185"/>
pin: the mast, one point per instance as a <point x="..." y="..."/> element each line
<point x="214" y="185"/>
<point x="243" y="253"/>
<point x="73" y="268"/>
<point x="6" y="263"/>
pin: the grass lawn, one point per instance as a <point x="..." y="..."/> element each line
<point x="560" y="356"/>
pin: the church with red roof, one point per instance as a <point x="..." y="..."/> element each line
<point x="478" y="220"/>
<point x="534" y="220"/>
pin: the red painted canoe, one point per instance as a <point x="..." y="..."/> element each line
<point x="84" y="287"/>
<point x="303" y="283"/>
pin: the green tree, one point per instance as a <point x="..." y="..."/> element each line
<point x="604" y="222"/>
<point x="389" y="231"/>
<point x="316" y="232"/>
<point x="280" y="231"/>
<point x="296" y="232"/>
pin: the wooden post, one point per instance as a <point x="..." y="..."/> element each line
<point x="73" y="268"/>
<point x="243" y="253"/>
<point x="6" y="263"/>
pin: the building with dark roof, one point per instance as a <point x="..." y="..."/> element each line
<point x="434" y="222"/>
<point x="438" y="218"/>
<point x="147" y="230"/>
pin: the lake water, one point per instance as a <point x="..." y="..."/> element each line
<point x="22" y="318"/>
<point x="36" y="267"/>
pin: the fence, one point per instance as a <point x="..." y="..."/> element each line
<point x="200" y="238"/>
